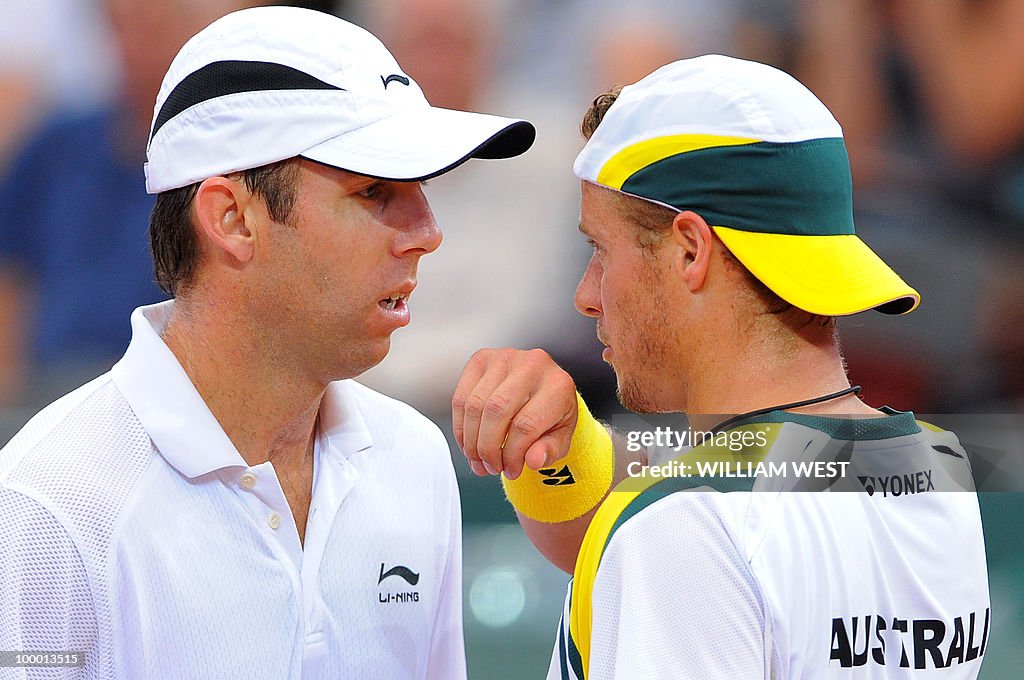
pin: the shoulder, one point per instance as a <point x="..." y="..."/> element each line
<point x="81" y="459"/>
<point x="45" y="428"/>
<point x="677" y="566"/>
<point x="710" y="518"/>
<point x="935" y="436"/>
<point x="666" y="533"/>
<point x="659" y="510"/>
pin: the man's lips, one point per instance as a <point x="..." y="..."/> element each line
<point x="399" y="296"/>
<point x="395" y="304"/>
<point x="607" y="352"/>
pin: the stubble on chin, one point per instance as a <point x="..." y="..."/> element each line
<point x="636" y="388"/>
<point x="634" y="398"/>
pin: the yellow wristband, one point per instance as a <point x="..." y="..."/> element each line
<point x="573" y="485"/>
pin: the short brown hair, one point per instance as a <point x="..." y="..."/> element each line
<point x="172" y="235"/>
<point x="655" y="220"/>
<point x="652" y="220"/>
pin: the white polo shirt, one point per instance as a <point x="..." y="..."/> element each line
<point x="132" y="530"/>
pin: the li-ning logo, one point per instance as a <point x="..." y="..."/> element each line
<point x="394" y="77"/>
<point x="405" y="573"/>
<point x="410" y="577"/>
<point x="557" y="477"/>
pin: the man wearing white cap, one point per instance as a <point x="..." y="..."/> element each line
<point x="717" y="198"/>
<point x="225" y="502"/>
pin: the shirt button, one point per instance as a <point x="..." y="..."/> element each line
<point x="248" y="480"/>
<point x="274" y="520"/>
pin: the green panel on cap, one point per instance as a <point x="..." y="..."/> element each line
<point x="800" y="188"/>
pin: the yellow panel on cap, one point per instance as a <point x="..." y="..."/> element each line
<point x="634" y="157"/>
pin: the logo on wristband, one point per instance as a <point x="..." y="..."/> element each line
<point x="557" y="477"/>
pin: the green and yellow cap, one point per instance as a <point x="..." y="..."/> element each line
<point x="760" y="158"/>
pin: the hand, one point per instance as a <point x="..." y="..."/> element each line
<point x="513" y="408"/>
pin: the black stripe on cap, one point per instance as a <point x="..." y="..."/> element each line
<point x="233" y="77"/>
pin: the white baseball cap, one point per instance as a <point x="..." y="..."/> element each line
<point x="269" y="83"/>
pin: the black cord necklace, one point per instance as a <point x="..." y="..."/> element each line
<point x="855" y="389"/>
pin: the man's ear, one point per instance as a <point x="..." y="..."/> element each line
<point x="694" y="238"/>
<point x="220" y="206"/>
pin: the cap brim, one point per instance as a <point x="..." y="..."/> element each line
<point x="827" y="275"/>
<point x="423" y="142"/>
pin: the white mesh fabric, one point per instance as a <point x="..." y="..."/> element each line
<point x="45" y="600"/>
<point x="42" y="423"/>
<point x="64" y="481"/>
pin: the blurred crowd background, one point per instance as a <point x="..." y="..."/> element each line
<point x="930" y="95"/>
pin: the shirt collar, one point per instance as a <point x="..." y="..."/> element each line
<point x="342" y="423"/>
<point x="177" y="419"/>
<point x="893" y="424"/>
<point x="166" y="402"/>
